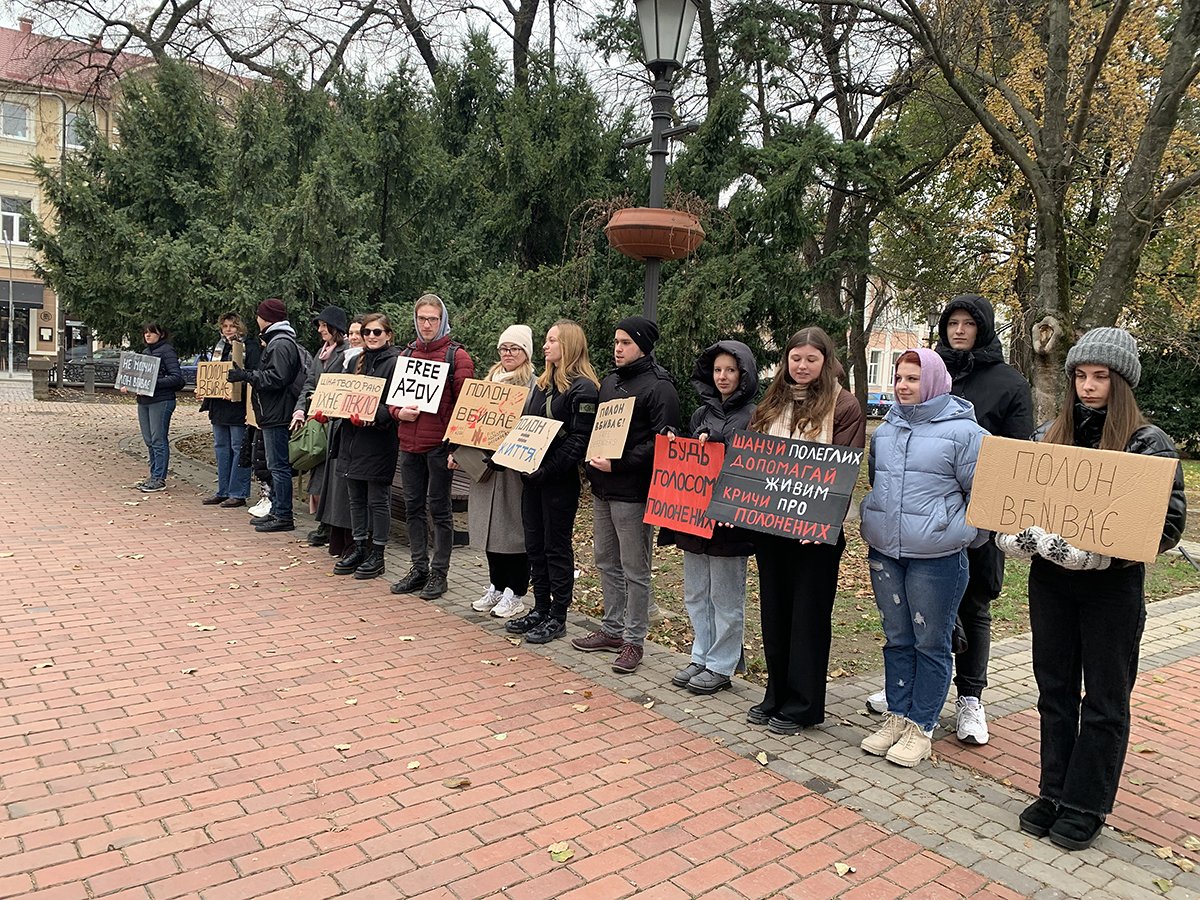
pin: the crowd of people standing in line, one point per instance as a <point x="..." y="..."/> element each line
<point x="934" y="575"/>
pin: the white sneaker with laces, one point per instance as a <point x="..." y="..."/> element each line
<point x="971" y="721"/>
<point x="508" y="605"/>
<point x="262" y="507"/>
<point x="877" y="703"/>
<point x="489" y="599"/>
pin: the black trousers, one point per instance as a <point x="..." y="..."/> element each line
<point x="1087" y="627"/>
<point x="970" y="666"/>
<point x="797" y="585"/>
<point x="509" y="570"/>
<point x="548" y="511"/>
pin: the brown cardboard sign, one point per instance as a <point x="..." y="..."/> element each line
<point x="251" y="415"/>
<point x="1099" y="500"/>
<point x="485" y="413"/>
<point x="611" y="429"/>
<point x="211" y="381"/>
<point x="526" y="445"/>
<point x="342" y="396"/>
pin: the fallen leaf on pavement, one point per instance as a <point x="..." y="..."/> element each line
<point x="762" y="758"/>
<point x="341" y="747"/>
<point x="414" y="765"/>
<point x="457" y="782"/>
<point x="580" y="707"/>
<point x="561" y="851"/>
<point x="842" y="869"/>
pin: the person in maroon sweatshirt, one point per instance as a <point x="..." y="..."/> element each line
<point x="423" y="453"/>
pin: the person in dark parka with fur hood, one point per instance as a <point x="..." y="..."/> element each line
<point x="970" y="348"/>
<point x="714" y="569"/>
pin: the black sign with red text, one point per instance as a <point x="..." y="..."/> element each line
<point x="776" y="485"/>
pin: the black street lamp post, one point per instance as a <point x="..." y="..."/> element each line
<point x="666" y="26"/>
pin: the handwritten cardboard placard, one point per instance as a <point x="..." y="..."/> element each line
<point x="341" y="396"/>
<point x="486" y="411"/>
<point x="611" y="429"/>
<point x="212" y="383"/>
<point x="419" y="383"/>
<point x="1104" y="501"/>
<point x="525" y="446"/>
<point x="137" y="372"/>
<point x="685" y="472"/>
<point x="796" y="489"/>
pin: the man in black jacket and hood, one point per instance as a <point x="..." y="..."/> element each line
<point x="623" y="543"/>
<point x="970" y="347"/>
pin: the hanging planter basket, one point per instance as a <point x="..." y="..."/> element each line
<point x="643" y="233"/>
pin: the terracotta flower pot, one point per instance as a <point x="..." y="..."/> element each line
<point x="643" y="233"/>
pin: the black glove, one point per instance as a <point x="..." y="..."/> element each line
<point x="534" y="478"/>
<point x="235" y="374"/>
<point x="491" y="465"/>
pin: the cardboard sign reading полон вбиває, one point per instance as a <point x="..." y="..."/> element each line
<point x="1104" y="501"/>
<point x="776" y="485"/>
<point x="485" y="412"/>
<point x="137" y="372"/>
<point x="685" y="471"/>
<point x="611" y="429"/>
<point x="211" y="380"/>
<point x="526" y="445"/>
<point x="341" y="396"/>
<point x="418" y="382"/>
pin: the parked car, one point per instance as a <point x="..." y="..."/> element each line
<point x="878" y="403"/>
<point x="189" y="368"/>
<point x="105" y="361"/>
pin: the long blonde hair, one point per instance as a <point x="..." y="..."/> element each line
<point x="572" y="343"/>
<point x="822" y="393"/>
<point x="522" y="375"/>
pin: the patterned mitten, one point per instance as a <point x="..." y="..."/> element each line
<point x="1054" y="548"/>
<point x="1023" y="545"/>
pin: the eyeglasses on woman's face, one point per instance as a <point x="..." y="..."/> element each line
<point x="374" y="332"/>
<point x="508" y="350"/>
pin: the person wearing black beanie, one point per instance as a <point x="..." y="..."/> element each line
<point x="623" y="543"/>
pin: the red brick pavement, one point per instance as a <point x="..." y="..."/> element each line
<point x="193" y="709"/>
<point x="1159" y="797"/>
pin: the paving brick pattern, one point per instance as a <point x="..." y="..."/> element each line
<point x="191" y="709"/>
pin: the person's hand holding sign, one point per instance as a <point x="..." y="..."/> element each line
<point x="600" y="464"/>
<point x="405" y="413"/>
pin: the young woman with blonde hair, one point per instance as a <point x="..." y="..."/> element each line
<point x="568" y="391"/>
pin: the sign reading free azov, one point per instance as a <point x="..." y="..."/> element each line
<point x="418" y="382"/>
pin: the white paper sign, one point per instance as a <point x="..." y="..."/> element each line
<point x="419" y="383"/>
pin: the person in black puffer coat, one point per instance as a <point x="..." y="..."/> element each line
<point x="970" y="348"/>
<point x="1087" y="611"/>
<point x="154" y="411"/>
<point x="623" y="543"/>
<point x="366" y="454"/>
<point x="714" y="569"/>
<point x="567" y="391"/>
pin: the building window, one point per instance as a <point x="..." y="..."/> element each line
<point x="14" y="219"/>
<point x="14" y="120"/>
<point x="74" y="132"/>
<point x="873" y="366"/>
<point x="896" y="358"/>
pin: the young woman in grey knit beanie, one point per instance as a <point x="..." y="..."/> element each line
<point x="1087" y="611"/>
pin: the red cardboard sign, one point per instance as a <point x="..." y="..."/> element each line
<point x="685" y="471"/>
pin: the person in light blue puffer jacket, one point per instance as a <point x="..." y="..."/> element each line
<point x="921" y="465"/>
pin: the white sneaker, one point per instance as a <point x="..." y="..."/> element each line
<point x="971" y="721"/>
<point x="877" y="703"/>
<point x="508" y="605"/>
<point x="261" y="508"/>
<point x="489" y="599"/>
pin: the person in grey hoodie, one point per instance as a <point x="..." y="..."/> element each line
<point x="921" y="466"/>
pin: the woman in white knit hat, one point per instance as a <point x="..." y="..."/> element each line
<point x="494" y="504"/>
<point x="1087" y="611"/>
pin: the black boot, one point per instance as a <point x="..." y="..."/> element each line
<point x="527" y="622"/>
<point x="319" y="536"/>
<point x="372" y="566"/>
<point x="412" y="582"/>
<point x="351" y="559"/>
<point x="550" y="629"/>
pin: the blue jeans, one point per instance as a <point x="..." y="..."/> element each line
<point x="275" y="443"/>
<point x="714" y="591"/>
<point x="918" y="600"/>
<point x="233" y="480"/>
<point x="623" y="546"/>
<point x="155" y="421"/>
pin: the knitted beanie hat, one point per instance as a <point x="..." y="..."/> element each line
<point x="519" y="335"/>
<point x="1112" y="347"/>
<point x="272" y="310"/>
<point x="642" y="330"/>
